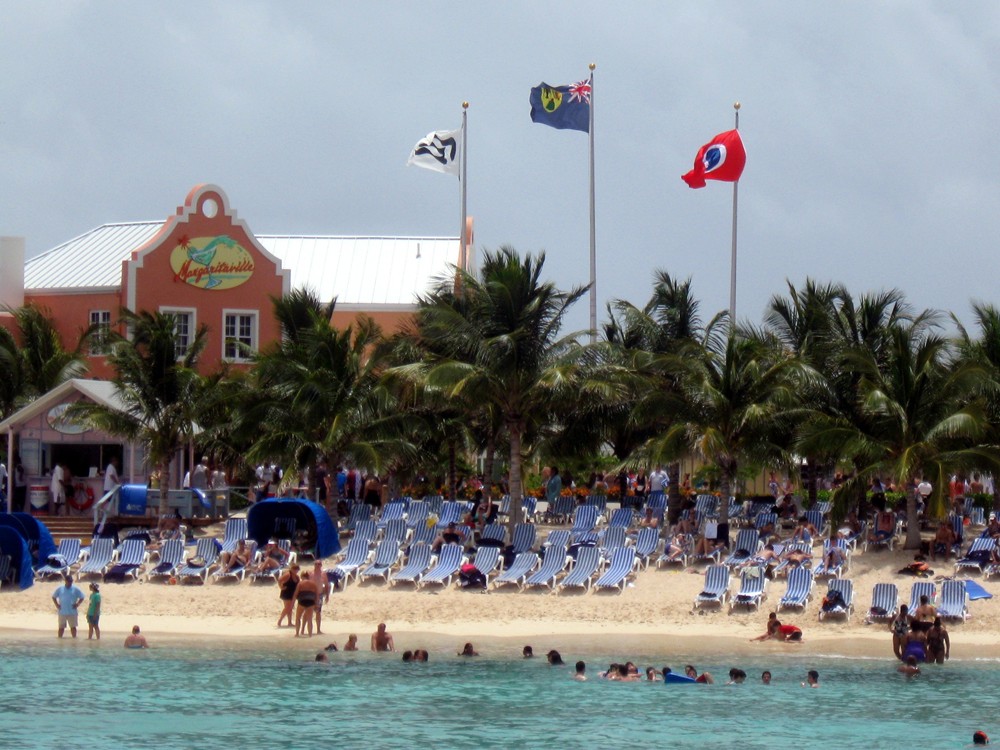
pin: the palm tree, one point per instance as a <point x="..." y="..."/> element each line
<point x="495" y="342"/>
<point x="920" y="413"/>
<point x="159" y="391"/>
<point x="734" y="403"/>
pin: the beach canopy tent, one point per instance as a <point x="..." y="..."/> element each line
<point x="267" y="518"/>
<point x="35" y="534"/>
<point x="15" y="545"/>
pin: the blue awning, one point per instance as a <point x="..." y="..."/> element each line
<point x="38" y="536"/>
<point x="310" y="516"/>
<point x="15" y="545"/>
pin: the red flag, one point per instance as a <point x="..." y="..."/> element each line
<point x="722" y="158"/>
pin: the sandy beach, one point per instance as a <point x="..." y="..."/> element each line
<point x="652" y="615"/>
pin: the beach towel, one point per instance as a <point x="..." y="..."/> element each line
<point x="975" y="591"/>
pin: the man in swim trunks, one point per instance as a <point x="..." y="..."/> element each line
<point x="944" y="539"/>
<point x="136" y="639"/>
<point x="381" y="640"/>
<point x="926" y="612"/>
<point x="67" y="599"/>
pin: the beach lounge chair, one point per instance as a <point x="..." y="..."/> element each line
<point x="284" y="527"/>
<point x="622" y="566"/>
<point x="588" y="560"/>
<point x="707" y="506"/>
<point x="6" y="574"/>
<point x="716" y="588"/>
<point x="519" y="570"/>
<point x="434" y="503"/>
<point x="833" y="566"/>
<point x="747" y="545"/>
<point x="834" y="605"/>
<point x="613" y="538"/>
<point x="274" y="573"/>
<point x="387" y="556"/>
<point x="395" y="529"/>
<point x="487" y="560"/>
<point x="656" y="502"/>
<point x="131" y="560"/>
<point x="102" y="549"/>
<point x="416" y="514"/>
<point x="67" y="555"/>
<point x="393" y="511"/>
<point x="495" y="534"/>
<point x="584" y="521"/>
<point x="885" y="531"/>
<point x="528" y="506"/>
<point x="819" y="521"/>
<point x="919" y="589"/>
<point x="423" y="534"/>
<point x="679" y="555"/>
<point x="449" y="563"/>
<point x="954" y="601"/>
<point x="359" y="512"/>
<point x="786" y="564"/>
<point x="238" y="572"/>
<point x="366" y="531"/>
<point x="647" y="543"/>
<point x="416" y="565"/>
<point x="885" y="602"/>
<point x="977" y="516"/>
<point x="622" y="517"/>
<point x="560" y="510"/>
<point x="557" y="538"/>
<point x="753" y="588"/>
<point x="524" y="538"/>
<point x="978" y="556"/>
<point x="207" y="552"/>
<point x="799" y="589"/>
<point x="236" y="529"/>
<point x="451" y="512"/>
<point x="553" y="564"/>
<point x="171" y="558"/>
<point x="355" y="557"/>
<point x="766" y="523"/>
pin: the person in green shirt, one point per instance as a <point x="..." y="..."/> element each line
<point x="94" y="612"/>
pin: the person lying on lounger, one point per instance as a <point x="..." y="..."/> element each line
<point x="238" y="558"/>
<point x="272" y="558"/>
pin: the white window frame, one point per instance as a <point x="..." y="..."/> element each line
<point x="99" y="341"/>
<point x="192" y="313"/>
<point x="254" y="334"/>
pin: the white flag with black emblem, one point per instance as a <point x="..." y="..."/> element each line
<point x="439" y="151"/>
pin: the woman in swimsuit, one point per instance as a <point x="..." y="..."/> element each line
<point x="938" y="643"/>
<point x="900" y="626"/>
<point x="915" y="645"/>
<point x="306" y="594"/>
<point x="287" y="585"/>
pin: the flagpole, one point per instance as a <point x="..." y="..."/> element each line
<point x="593" y="223"/>
<point x="732" y="273"/>
<point x="462" y="237"/>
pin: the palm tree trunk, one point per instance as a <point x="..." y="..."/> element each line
<point x="812" y="471"/>
<point x="164" y="486"/>
<point x="452" y="472"/>
<point x="912" y="524"/>
<point x="491" y="452"/>
<point x="675" y="499"/>
<point x="515" y="479"/>
<point x="726" y="486"/>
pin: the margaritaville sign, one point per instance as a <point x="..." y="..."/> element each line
<point x="211" y="262"/>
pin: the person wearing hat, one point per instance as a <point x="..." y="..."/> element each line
<point x="980" y="738"/>
<point x="94" y="612"/>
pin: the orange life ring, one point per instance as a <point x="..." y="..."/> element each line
<point x="81" y="490"/>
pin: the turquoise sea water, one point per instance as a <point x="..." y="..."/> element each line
<point x="65" y="695"/>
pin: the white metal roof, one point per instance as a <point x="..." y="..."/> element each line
<point x="368" y="271"/>
<point x="100" y="391"/>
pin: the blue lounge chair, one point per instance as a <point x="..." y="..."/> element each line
<point x="395" y="529"/>
<point x="132" y="557"/>
<point x="753" y="587"/>
<point x="359" y="512"/>
<point x="680" y="555"/>
<point x="451" y="512"/>
<point x="647" y="543"/>
<point x="238" y="571"/>
<point x="622" y="517"/>
<point x="557" y="538"/>
<point x="272" y="573"/>
<point x="67" y="555"/>
<point x="449" y="563"/>
<point x="833" y="565"/>
<point x="584" y="521"/>
<point x="528" y="506"/>
<point x="236" y="529"/>
<point x="387" y="556"/>
<point x="487" y="560"/>
<point x="657" y="503"/>
<point x="799" y="589"/>
<point x="102" y="549"/>
<point x="613" y="538"/>
<point x="978" y="556"/>
<point x="707" y="506"/>
<point x="747" y="545"/>
<point x="417" y="514"/>
<point x="622" y="566"/>
<point x="553" y="564"/>
<point x="716" y="589"/>
<point x="207" y="550"/>
<point x="845" y="605"/>
<point x="885" y="602"/>
<point x="766" y="520"/>
<point x="171" y="558"/>
<point x="416" y="565"/>
<point x="366" y="531"/>
<point x="919" y="589"/>
<point x="284" y="527"/>
<point x="423" y="534"/>
<point x="434" y="503"/>
<point x="954" y="601"/>
<point x="560" y="510"/>
<point x="495" y="532"/>
<point x="588" y="560"/>
<point x="524" y="538"/>
<point x="391" y="512"/>
<point x="355" y="557"/>
<point x="803" y="557"/>
<point x="519" y="570"/>
<point x="819" y="521"/>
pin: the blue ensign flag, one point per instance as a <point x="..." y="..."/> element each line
<point x="562" y="107"/>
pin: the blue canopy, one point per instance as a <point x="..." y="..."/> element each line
<point x="39" y="536"/>
<point x="15" y="545"/>
<point x="310" y="516"/>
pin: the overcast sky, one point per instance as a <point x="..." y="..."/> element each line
<point x="871" y="131"/>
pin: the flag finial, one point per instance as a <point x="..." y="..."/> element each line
<point x="465" y="105"/>
<point x="736" y="106"/>
<point x="592" y="66"/>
